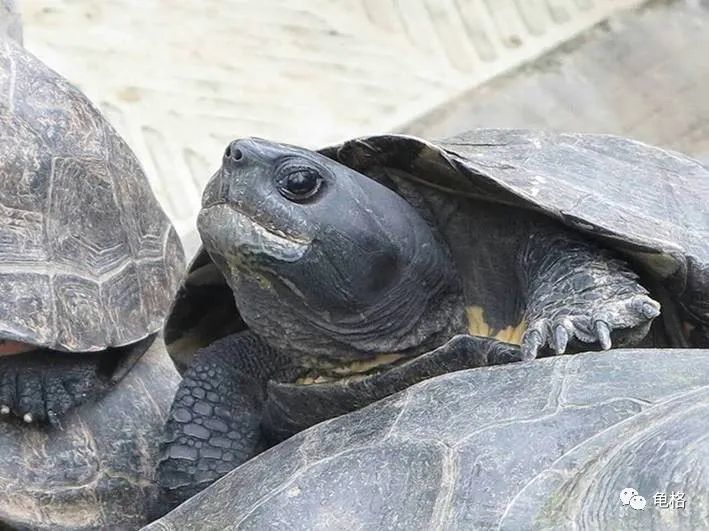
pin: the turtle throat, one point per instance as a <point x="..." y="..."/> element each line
<point x="319" y="369"/>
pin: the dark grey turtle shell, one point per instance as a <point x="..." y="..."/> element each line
<point x="97" y="471"/>
<point x="649" y="203"/>
<point x="88" y="259"/>
<point x="652" y="204"/>
<point x="548" y="444"/>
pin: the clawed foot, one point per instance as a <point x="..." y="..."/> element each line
<point x="36" y="389"/>
<point x="627" y="319"/>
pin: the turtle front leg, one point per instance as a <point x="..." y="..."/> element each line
<point x="42" y="386"/>
<point x="578" y="293"/>
<point x="214" y="424"/>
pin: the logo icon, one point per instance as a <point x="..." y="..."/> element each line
<point x="637" y="503"/>
<point x="626" y="495"/>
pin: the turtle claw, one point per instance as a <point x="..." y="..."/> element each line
<point x="603" y="332"/>
<point x="645" y="306"/>
<point x="30" y="399"/>
<point x="563" y="332"/>
<point x="556" y="336"/>
<point x="36" y="389"/>
<point x="628" y="319"/>
<point x="530" y="344"/>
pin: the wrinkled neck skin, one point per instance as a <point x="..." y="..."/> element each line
<point x="420" y="312"/>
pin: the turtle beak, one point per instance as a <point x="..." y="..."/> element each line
<point x="235" y="234"/>
<point x="243" y="218"/>
<point x="215" y="191"/>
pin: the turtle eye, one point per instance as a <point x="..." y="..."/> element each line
<point x="299" y="184"/>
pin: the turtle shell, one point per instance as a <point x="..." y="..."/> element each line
<point x="88" y="259"/>
<point x="97" y="471"/>
<point x="550" y="444"/>
<point x="649" y="203"/>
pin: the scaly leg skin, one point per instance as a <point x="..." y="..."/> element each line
<point x="214" y="424"/>
<point x="579" y="294"/>
<point x="41" y="386"/>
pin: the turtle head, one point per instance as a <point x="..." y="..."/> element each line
<point x="323" y="260"/>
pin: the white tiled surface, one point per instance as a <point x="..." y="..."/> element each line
<point x="644" y="74"/>
<point x="9" y="20"/>
<point x="180" y="78"/>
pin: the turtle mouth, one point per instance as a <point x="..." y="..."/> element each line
<point x="353" y="371"/>
<point x="235" y="233"/>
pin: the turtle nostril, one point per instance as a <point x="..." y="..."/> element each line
<point x="232" y="153"/>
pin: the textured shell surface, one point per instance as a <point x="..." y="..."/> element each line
<point x="599" y="183"/>
<point x="88" y="259"/>
<point x="96" y="472"/>
<point x="447" y="453"/>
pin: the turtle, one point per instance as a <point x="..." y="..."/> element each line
<point x="330" y="279"/>
<point x="561" y="442"/>
<point x="89" y="264"/>
<point x="97" y="469"/>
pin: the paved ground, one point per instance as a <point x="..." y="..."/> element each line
<point x="644" y="75"/>
<point x="10" y="20"/>
<point x="179" y="79"/>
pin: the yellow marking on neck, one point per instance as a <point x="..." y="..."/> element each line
<point x="352" y="371"/>
<point x="478" y="327"/>
<point x="360" y="366"/>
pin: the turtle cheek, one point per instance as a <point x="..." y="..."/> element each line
<point x="340" y="285"/>
<point x="383" y="272"/>
<point x="366" y="279"/>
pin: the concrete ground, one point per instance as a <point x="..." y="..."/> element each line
<point x="643" y="74"/>
<point x="180" y="78"/>
<point x="10" y="24"/>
